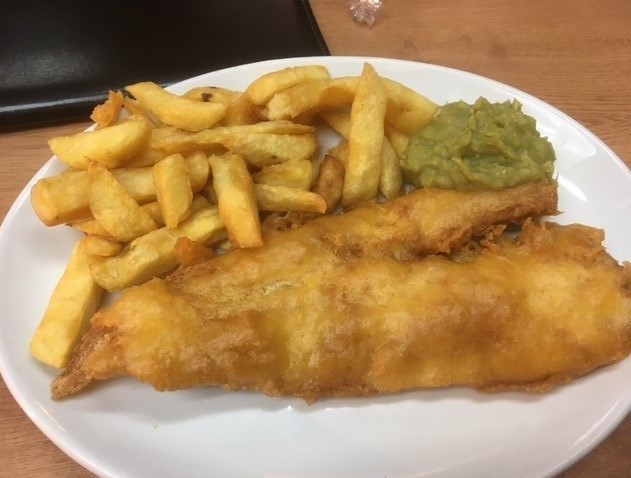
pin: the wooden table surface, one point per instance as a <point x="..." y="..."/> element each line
<point x="573" y="54"/>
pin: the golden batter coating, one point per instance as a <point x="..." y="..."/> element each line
<point x="352" y="305"/>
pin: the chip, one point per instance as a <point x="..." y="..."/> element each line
<point x="236" y="199"/>
<point x="173" y="189"/>
<point x="114" y="208"/>
<point x="281" y="198"/>
<point x="174" y="110"/>
<point x="265" y="87"/>
<point x="72" y="303"/>
<point x="110" y="146"/>
<point x="365" y="139"/>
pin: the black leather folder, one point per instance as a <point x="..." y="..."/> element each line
<point x="58" y="59"/>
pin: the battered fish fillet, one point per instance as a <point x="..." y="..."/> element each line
<point x="289" y="277"/>
<point x="526" y="313"/>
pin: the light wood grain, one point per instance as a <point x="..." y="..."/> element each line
<point x="574" y="54"/>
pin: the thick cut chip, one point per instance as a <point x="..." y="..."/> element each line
<point x="74" y="300"/>
<point x="145" y="257"/>
<point x="292" y="174"/>
<point x="62" y="198"/>
<point x="174" y="110"/>
<point x="281" y="198"/>
<point x="390" y="179"/>
<point x="151" y="255"/>
<point x="173" y="189"/>
<point x="259" y="148"/>
<point x="114" y="208"/>
<point x="265" y="87"/>
<point x="236" y="199"/>
<point x="330" y="182"/>
<point x="110" y="146"/>
<point x="361" y="181"/>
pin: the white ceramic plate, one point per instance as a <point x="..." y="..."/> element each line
<point x="125" y="429"/>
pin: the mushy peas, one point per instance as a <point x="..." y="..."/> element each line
<point x="481" y="146"/>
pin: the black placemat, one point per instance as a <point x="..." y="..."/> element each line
<point x="59" y="58"/>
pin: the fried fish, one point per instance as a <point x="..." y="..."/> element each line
<point x="338" y="306"/>
<point x="524" y="313"/>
